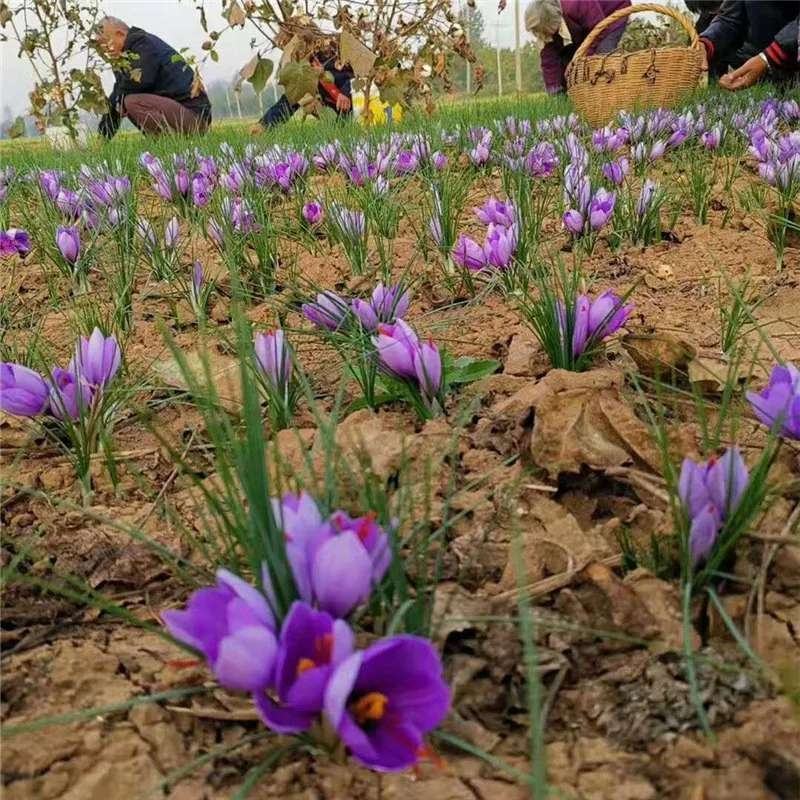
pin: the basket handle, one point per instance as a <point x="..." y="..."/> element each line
<point x="626" y="12"/>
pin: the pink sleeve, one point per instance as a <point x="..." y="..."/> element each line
<point x="551" y="66"/>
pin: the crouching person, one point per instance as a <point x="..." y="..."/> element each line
<point x="154" y="90"/>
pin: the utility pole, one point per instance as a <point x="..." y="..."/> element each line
<point x="499" y="65"/>
<point x="517" y="49"/>
<point x="468" y="20"/>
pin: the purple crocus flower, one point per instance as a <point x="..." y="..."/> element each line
<point x="97" y="359"/>
<point x="406" y="162"/>
<point x="201" y="190"/>
<point x="712" y="139"/>
<point x="182" y="181"/>
<point x="14" y="241"/>
<point x="329" y="310"/>
<point x="469" y="254"/>
<point x="428" y="369"/>
<point x="658" y="149"/>
<point x="390" y="302"/>
<point x="365" y="313"/>
<point x="607" y="314"/>
<point x="382" y="701"/>
<point x="23" y="391"/>
<point x="647" y="197"/>
<point x="198" y="278"/>
<point x="480" y="154"/>
<point x="68" y="241"/>
<point x="70" y="395"/>
<point x="232" y="625"/>
<point x="777" y="405"/>
<point x="439" y="160"/>
<point x="710" y="492"/>
<point x="396" y="345"/>
<point x="497" y="212"/>
<point x="172" y="233"/>
<point x="499" y="246"/>
<point x="335" y="563"/>
<point x="274" y="358"/>
<point x="313" y="212"/>
<point x="69" y="204"/>
<point x="50" y="181"/>
<point x="573" y="221"/>
<point x="312" y="644"/>
<point x="347" y="560"/>
<point x="615" y="171"/>
<point x="601" y="208"/>
<point x="541" y="160"/>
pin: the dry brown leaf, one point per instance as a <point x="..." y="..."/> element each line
<point x="357" y="54"/>
<point x="582" y="419"/>
<point x="658" y="354"/>
<point x="223" y="372"/>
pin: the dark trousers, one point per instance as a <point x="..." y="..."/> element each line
<point x="153" y="114"/>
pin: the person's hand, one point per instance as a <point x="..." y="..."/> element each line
<point x="256" y="129"/>
<point x="750" y="73"/>
<point x="343" y="103"/>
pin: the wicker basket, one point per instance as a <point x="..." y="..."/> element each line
<point x="602" y="85"/>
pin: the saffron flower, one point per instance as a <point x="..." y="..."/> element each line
<point x="469" y="254"/>
<point x="274" y="359"/>
<point x="23" y="391"/>
<point x="327" y="311"/>
<point x="312" y="644"/>
<point x="497" y="212"/>
<point x="386" y="305"/>
<point x="615" y="171"/>
<point x="313" y="212"/>
<point x="500" y="245"/>
<point x="710" y="493"/>
<point x="232" y="626"/>
<point x="596" y="320"/>
<point x="573" y="221"/>
<point x="97" y="359"/>
<point x="428" y="369"/>
<point x="439" y="160"/>
<point x="68" y="241"/>
<point x="396" y="345"/>
<point x="14" y="242"/>
<point x="382" y="701"/>
<point x="335" y="562"/>
<point x="70" y="395"/>
<point x="601" y="208"/>
<point x="172" y="233"/>
<point x="777" y="405"/>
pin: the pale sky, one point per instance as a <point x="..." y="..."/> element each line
<point x="178" y="23"/>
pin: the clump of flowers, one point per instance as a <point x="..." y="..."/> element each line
<point x="500" y="244"/>
<point x="74" y="404"/>
<point x="305" y="668"/>
<point x="710" y="492"/>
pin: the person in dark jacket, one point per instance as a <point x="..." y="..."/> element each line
<point x="755" y="38"/>
<point x="155" y="90"/>
<point x="336" y="95"/>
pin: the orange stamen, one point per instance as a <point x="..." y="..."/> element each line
<point x="370" y="707"/>
<point x="304" y="664"/>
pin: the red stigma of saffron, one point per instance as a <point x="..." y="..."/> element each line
<point x="323" y="648"/>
